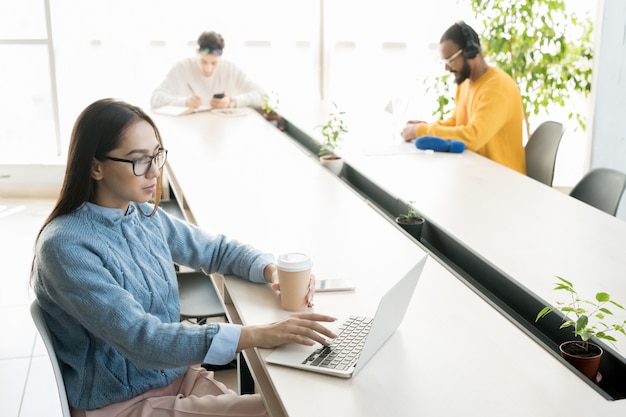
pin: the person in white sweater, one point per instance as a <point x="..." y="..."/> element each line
<point x="208" y="80"/>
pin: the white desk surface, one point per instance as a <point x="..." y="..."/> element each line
<point x="232" y="188"/>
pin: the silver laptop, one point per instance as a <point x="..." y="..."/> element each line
<point x="358" y="338"/>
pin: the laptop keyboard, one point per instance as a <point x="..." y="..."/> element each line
<point x="345" y="349"/>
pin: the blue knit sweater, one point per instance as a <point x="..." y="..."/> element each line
<point x="107" y="285"/>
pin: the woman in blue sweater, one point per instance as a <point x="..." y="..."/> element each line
<point x="103" y="273"/>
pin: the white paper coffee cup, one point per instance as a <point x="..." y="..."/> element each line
<point x="294" y="275"/>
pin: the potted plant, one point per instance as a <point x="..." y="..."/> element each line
<point x="587" y="318"/>
<point x="270" y="108"/>
<point x="411" y="221"/>
<point x="332" y="131"/>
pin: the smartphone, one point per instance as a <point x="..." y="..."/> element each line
<point x="220" y="95"/>
<point x="327" y="285"/>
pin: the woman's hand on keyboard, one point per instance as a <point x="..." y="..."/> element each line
<point x="304" y="329"/>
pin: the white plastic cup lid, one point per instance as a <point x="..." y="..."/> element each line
<point x="293" y="262"/>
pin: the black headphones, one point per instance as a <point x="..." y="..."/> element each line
<point x="471" y="49"/>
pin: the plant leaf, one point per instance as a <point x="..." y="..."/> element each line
<point x="544" y="311"/>
<point x="605" y="311"/>
<point x="602" y="335"/>
<point x="581" y="323"/>
<point x="585" y="334"/>
<point x="569" y="284"/>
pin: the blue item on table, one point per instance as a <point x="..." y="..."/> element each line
<point x="440" y="145"/>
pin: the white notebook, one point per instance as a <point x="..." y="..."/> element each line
<point x="181" y="111"/>
<point x="389" y="315"/>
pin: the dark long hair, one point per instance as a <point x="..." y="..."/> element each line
<point x="98" y="130"/>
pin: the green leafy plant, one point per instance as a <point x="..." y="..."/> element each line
<point x="270" y="103"/>
<point x="333" y="131"/>
<point x="440" y="85"/>
<point x="546" y="48"/>
<point x="589" y="315"/>
<point x="411" y="215"/>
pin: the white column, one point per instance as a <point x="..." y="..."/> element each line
<point x="607" y="126"/>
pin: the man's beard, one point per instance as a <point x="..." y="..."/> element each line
<point x="464" y="74"/>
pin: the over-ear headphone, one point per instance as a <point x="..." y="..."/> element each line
<point x="471" y="48"/>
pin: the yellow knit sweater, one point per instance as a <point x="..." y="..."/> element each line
<point x="487" y="118"/>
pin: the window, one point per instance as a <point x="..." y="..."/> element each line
<point x="28" y="127"/>
<point x="348" y="51"/>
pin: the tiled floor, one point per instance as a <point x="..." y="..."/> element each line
<point x="27" y="386"/>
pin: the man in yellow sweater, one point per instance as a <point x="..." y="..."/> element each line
<point x="488" y="114"/>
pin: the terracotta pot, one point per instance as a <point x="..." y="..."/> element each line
<point x="274" y="119"/>
<point x="332" y="162"/>
<point x="586" y="361"/>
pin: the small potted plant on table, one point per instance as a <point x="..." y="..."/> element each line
<point x="332" y="132"/>
<point x="589" y="322"/>
<point x="270" y="109"/>
<point x="411" y="221"/>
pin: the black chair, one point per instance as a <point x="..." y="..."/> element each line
<point x="602" y="188"/>
<point x="541" y="151"/>
<point x="198" y="297"/>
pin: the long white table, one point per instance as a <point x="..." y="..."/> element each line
<point x="452" y="354"/>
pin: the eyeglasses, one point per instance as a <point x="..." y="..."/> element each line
<point x="216" y="52"/>
<point x="448" y="61"/>
<point x="142" y="165"/>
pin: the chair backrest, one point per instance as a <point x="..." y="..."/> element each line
<point x="42" y="327"/>
<point x="541" y="151"/>
<point x="601" y="188"/>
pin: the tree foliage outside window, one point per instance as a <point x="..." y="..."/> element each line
<point x="545" y="47"/>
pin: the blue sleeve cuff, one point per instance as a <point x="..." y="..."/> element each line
<point x="256" y="270"/>
<point x="224" y="344"/>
